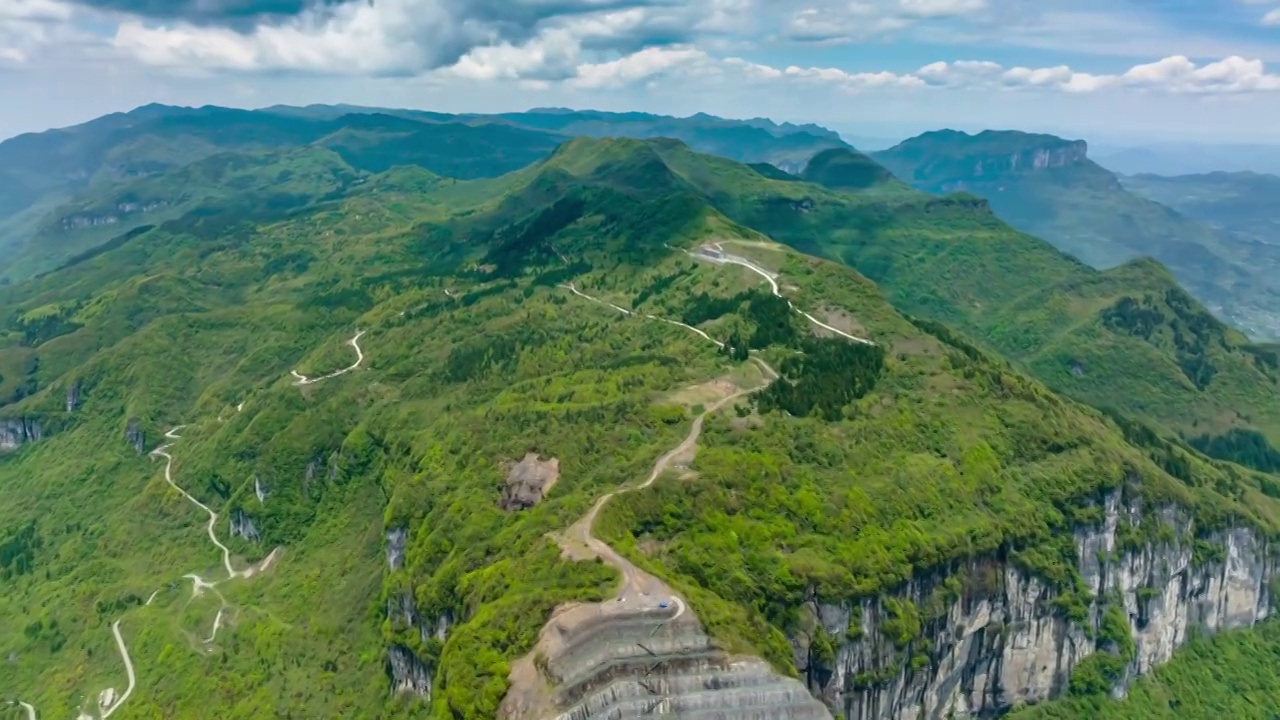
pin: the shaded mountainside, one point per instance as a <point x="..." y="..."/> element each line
<point x="358" y="375"/>
<point x="1048" y="187"/>
<point x="47" y="180"/>
<point x="844" y="169"/>
<point x="1128" y="339"/>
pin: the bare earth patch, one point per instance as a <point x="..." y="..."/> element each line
<point x="841" y="320"/>
<point x="529" y="481"/>
<point x="703" y="393"/>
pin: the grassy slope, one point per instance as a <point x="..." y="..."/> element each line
<point x="951" y="259"/>
<point x="182" y="324"/>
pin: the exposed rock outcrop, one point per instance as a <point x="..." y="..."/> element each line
<point x="396" y="540"/>
<point x="404" y="615"/>
<point x="260" y="490"/>
<point x="997" y="638"/>
<point x="1054" y="155"/>
<point x="73" y="396"/>
<point x="135" y="435"/>
<point x="242" y="526"/>
<point x="18" y="432"/>
<point x="529" y="481"/>
<point x="408" y="672"/>
<point x="123" y="209"/>
<point x="80" y="222"/>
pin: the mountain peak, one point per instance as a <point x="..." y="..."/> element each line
<point x="845" y="169"/>
<point x="1022" y="150"/>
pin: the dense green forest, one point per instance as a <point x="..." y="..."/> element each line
<point x="861" y="467"/>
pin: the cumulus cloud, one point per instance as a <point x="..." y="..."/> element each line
<point x="940" y="8"/>
<point x="28" y="26"/>
<point x="642" y="65"/>
<point x="1172" y="74"/>
<point x="412" y="36"/>
<point x="205" y="11"/>
<point x="864" y="19"/>
<point x="34" y="10"/>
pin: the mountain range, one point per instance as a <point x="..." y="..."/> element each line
<point x="65" y="191"/>
<point x="1048" y="187"/>
<point x="367" y="414"/>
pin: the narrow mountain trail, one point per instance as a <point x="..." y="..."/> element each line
<point x="109" y="702"/>
<point x="570" y="287"/>
<point x="232" y="573"/>
<point x="715" y="253"/>
<point x="583" y="531"/>
<point x="640" y="592"/>
<point x="354" y="342"/>
<point x="31" y="711"/>
<point x="128" y="668"/>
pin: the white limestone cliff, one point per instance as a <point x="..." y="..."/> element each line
<point x="1002" y="641"/>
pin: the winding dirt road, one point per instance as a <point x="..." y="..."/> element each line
<point x="353" y="342"/>
<point x="162" y="451"/>
<point x="571" y="288"/>
<point x="634" y="580"/>
<point x="716" y="253"/>
<point x="128" y="668"/>
<point x="582" y="531"/>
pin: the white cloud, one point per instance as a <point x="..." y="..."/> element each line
<point x="642" y="65"/>
<point x="391" y="37"/>
<point x="1272" y="18"/>
<point x="10" y="55"/>
<point x="851" y="81"/>
<point x="351" y="38"/>
<point x="940" y="8"/>
<point x="857" y="20"/>
<point x="34" y="10"/>
<point x="1175" y="74"/>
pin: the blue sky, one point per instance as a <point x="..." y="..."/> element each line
<point x="1119" y="70"/>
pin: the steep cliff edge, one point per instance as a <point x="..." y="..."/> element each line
<point x="994" y="636"/>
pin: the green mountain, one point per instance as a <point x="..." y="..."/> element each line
<point x="63" y="192"/>
<point x="400" y="397"/>
<point x="1129" y="339"/>
<point x="1048" y="187"/>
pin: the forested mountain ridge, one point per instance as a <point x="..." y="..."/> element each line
<point x="1048" y="187"/>
<point x="65" y="191"/>
<point x="361" y="370"/>
<point x="1129" y="339"/>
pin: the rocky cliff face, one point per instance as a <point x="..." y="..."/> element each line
<point x="408" y="673"/>
<point x="1055" y="156"/>
<point x="995" y="636"/>
<point x="80" y="221"/>
<point x="396" y="540"/>
<point x="135" y="435"/>
<point x="243" y="526"/>
<point x="18" y="432"/>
